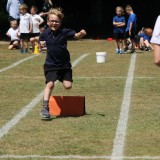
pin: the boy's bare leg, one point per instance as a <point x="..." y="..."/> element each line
<point x="47" y="93"/>
<point x="67" y="84"/>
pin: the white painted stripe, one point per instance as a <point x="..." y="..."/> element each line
<point x="17" y="63"/>
<point x="119" y="140"/>
<point x="77" y="157"/>
<point x="5" y="129"/>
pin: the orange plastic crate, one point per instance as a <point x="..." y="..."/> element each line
<point x="67" y="105"/>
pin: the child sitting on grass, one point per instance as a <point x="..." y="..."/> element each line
<point x="57" y="64"/>
<point x="13" y="34"/>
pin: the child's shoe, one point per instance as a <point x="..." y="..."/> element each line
<point x="120" y="51"/>
<point x="45" y="113"/>
<point x="117" y="51"/>
<point x="26" y="51"/>
<point x="21" y="50"/>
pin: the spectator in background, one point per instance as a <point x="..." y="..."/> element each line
<point x="46" y="7"/>
<point x="130" y="31"/>
<point x="37" y="21"/>
<point x="118" y="30"/>
<point x="13" y="9"/>
<point x="25" y="28"/>
<point x="13" y="34"/>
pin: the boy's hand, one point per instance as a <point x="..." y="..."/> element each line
<point x="83" y="32"/>
<point x="80" y="34"/>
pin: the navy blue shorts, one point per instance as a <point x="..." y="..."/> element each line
<point x="118" y="35"/>
<point x="52" y="75"/>
<point x="132" y="36"/>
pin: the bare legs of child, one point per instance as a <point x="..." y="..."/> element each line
<point x="24" y="46"/>
<point x="47" y="93"/>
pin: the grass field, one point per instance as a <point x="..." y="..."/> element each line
<point x="91" y="136"/>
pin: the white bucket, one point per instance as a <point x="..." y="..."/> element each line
<point x="101" y="57"/>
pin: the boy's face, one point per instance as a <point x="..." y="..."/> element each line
<point x="23" y="11"/>
<point x="53" y="22"/>
<point x="33" y="11"/>
<point x="14" y="25"/>
<point x="119" y="12"/>
<point x="128" y="11"/>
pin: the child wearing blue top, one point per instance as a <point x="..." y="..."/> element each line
<point x="118" y="30"/>
<point x="57" y="64"/>
<point x="130" y="31"/>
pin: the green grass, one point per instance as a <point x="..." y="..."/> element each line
<point x="103" y="88"/>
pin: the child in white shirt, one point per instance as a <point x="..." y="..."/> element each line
<point x="25" y="28"/>
<point x="37" y="21"/>
<point x="13" y="34"/>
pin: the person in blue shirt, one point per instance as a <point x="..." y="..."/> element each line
<point x="118" y="30"/>
<point x="13" y="9"/>
<point x="57" y="64"/>
<point x="130" y="30"/>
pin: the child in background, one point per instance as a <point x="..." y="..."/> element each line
<point x="143" y="38"/>
<point x="156" y="41"/>
<point x="118" y="31"/>
<point x="130" y="31"/>
<point x="25" y="28"/>
<point x="13" y="34"/>
<point x="57" y="64"/>
<point x="37" y="21"/>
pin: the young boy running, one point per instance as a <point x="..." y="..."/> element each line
<point x="130" y="31"/>
<point x="57" y="64"/>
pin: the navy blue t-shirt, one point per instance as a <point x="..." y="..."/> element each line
<point x="56" y="41"/>
<point x="119" y="19"/>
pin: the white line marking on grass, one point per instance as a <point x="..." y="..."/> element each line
<point x="5" y="129"/>
<point x="119" y="140"/>
<point x="77" y="157"/>
<point x="17" y="63"/>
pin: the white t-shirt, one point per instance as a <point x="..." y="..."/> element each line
<point x="36" y="20"/>
<point x="156" y="32"/>
<point x="25" y="21"/>
<point x="13" y="34"/>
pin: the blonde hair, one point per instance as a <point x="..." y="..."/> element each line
<point x="57" y="12"/>
<point x="128" y="8"/>
<point x="120" y="8"/>
<point x="23" y="6"/>
<point x="148" y="31"/>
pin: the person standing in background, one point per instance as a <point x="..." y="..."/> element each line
<point x="37" y="20"/>
<point x="13" y="9"/>
<point x="25" y="28"/>
<point x="118" y="30"/>
<point x="130" y="31"/>
<point x="46" y="7"/>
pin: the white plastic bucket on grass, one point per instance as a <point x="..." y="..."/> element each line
<point x="101" y="57"/>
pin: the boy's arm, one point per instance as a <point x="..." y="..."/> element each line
<point x="130" y="28"/>
<point x="156" y="54"/>
<point x="80" y="34"/>
<point x="30" y="25"/>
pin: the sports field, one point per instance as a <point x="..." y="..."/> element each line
<point x="122" y="120"/>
